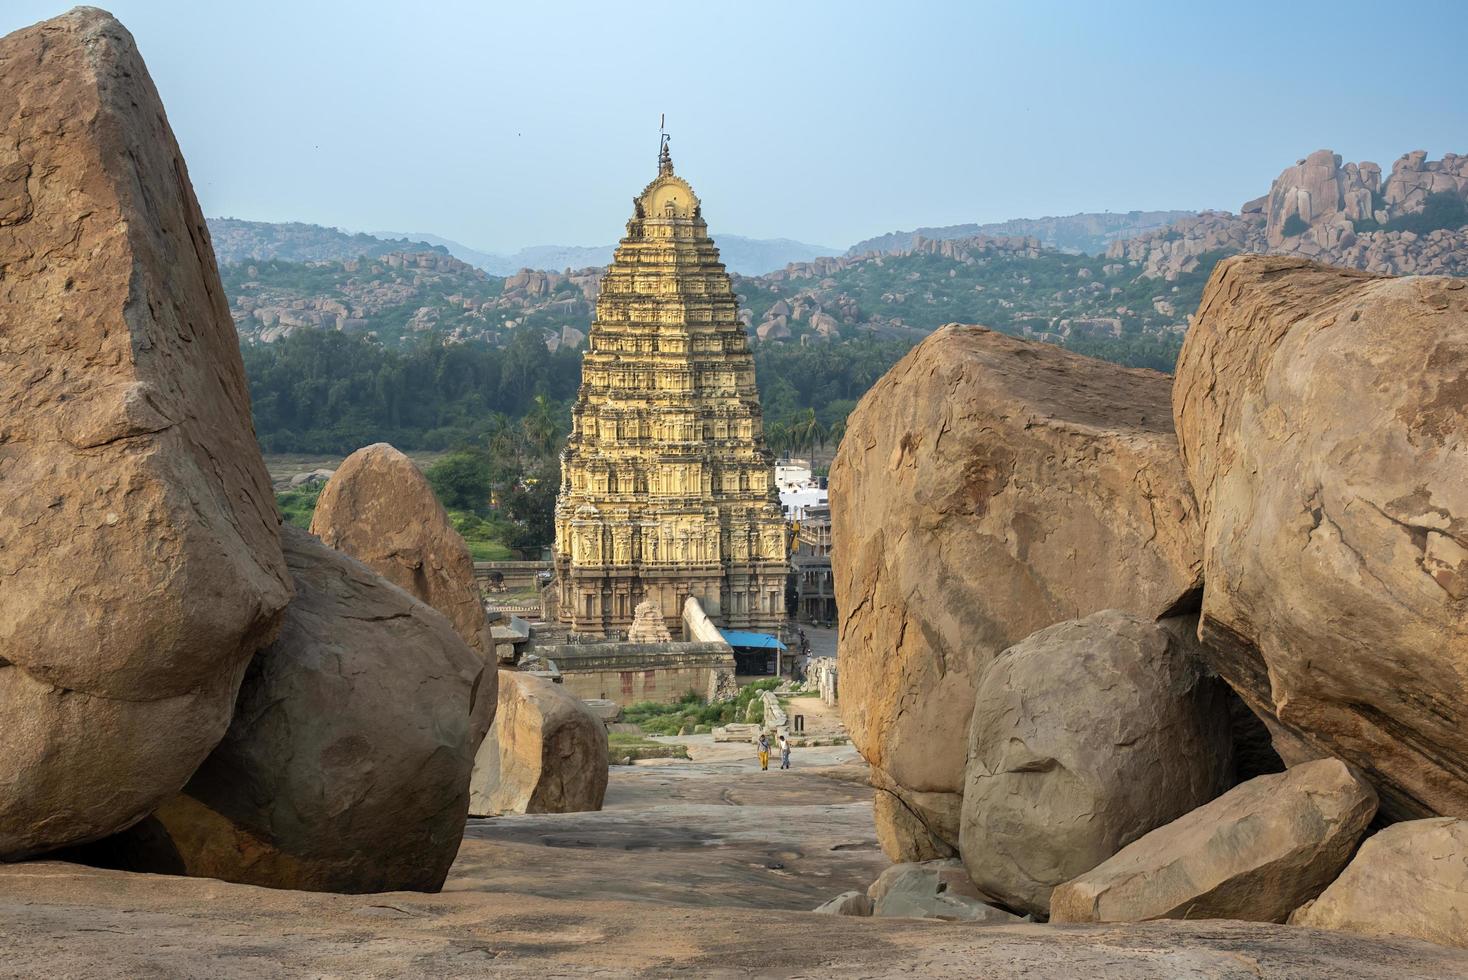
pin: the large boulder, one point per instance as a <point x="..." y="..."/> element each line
<point x="138" y="536"/>
<point x="1255" y="853"/>
<point x="347" y="766"/>
<point x="547" y="753"/>
<point x="1410" y="879"/>
<point x="1322" y="415"/>
<point x="1086" y="736"/>
<point x="988" y="487"/>
<point x="378" y="508"/>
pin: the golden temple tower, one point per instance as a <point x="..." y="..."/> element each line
<point x="667" y="489"/>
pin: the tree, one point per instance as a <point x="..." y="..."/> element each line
<point x="529" y="507"/>
<point x="542" y="426"/>
<point x="777" y="438"/>
<point x="462" y="481"/>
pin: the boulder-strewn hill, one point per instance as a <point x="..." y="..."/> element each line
<point x="1014" y="285"/>
<point x="1414" y="222"/>
<point x="236" y="240"/>
<point x="1089" y="233"/>
<point x="399" y="295"/>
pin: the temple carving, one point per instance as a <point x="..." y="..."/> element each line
<point x="667" y="489"/>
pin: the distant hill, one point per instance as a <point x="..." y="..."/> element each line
<point x="744" y="256"/>
<point x="1080" y="234"/>
<point x="236" y="240"/>
<point x="1411" y="221"/>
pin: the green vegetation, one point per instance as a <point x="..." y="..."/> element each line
<point x="625" y="745"/>
<point x="501" y="494"/>
<point x="807" y="392"/>
<point x="692" y="711"/>
<point x="299" y="503"/>
<point x="1294" y="226"/>
<point x="321" y="391"/>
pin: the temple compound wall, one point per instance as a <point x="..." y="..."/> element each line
<point x="631" y="672"/>
<point x="667" y="488"/>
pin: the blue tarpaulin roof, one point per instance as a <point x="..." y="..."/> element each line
<point x="739" y="638"/>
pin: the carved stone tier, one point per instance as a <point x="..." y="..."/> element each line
<point x="667" y="489"/>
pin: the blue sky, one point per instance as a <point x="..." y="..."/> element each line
<point x="503" y="125"/>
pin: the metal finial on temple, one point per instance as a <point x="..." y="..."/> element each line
<point x="665" y="158"/>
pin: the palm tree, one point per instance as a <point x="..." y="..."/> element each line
<point x="542" y="426"/>
<point x="777" y="438"/>
<point x="806" y="431"/>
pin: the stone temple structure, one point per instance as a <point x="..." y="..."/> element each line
<point x="667" y="489"/>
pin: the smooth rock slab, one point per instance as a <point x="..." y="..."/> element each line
<point x="63" y="920"/>
<point x="988" y="487"/>
<point x="1255" y="853"/>
<point x="1086" y="736"/>
<point x="1410" y="879"/>
<point x="138" y="546"/>
<point x="1335" y="513"/>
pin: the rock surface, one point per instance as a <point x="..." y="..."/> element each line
<point x="62" y="920"/>
<point x="1336" y="515"/>
<point x="1410" y="879"/>
<point x="138" y="540"/>
<point x="678" y="875"/>
<point x="1339" y="208"/>
<point x="1061" y="776"/>
<point x="903" y="836"/>
<point x="986" y="488"/>
<point x="546" y="752"/>
<point x="1255" y="853"/>
<point x="347" y="765"/>
<point x="847" y="903"/>
<point x="378" y="508"/>
<point x="932" y="890"/>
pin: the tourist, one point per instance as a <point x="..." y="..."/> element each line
<point x="764" y="751"/>
<point x="784" y="751"/>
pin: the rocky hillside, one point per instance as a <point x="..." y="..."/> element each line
<point x="1413" y="222"/>
<point x="399" y="295"/>
<point x="1015" y="285"/>
<point x="241" y="241"/>
<point x="1088" y="233"/>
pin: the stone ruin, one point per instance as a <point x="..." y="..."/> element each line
<point x="647" y="624"/>
<point x="822" y="672"/>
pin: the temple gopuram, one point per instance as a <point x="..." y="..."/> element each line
<point x="667" y="489"/>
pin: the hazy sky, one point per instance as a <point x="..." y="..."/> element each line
<point x="503" y="125"/>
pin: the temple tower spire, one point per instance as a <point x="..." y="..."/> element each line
<point x="667" y="489"/>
